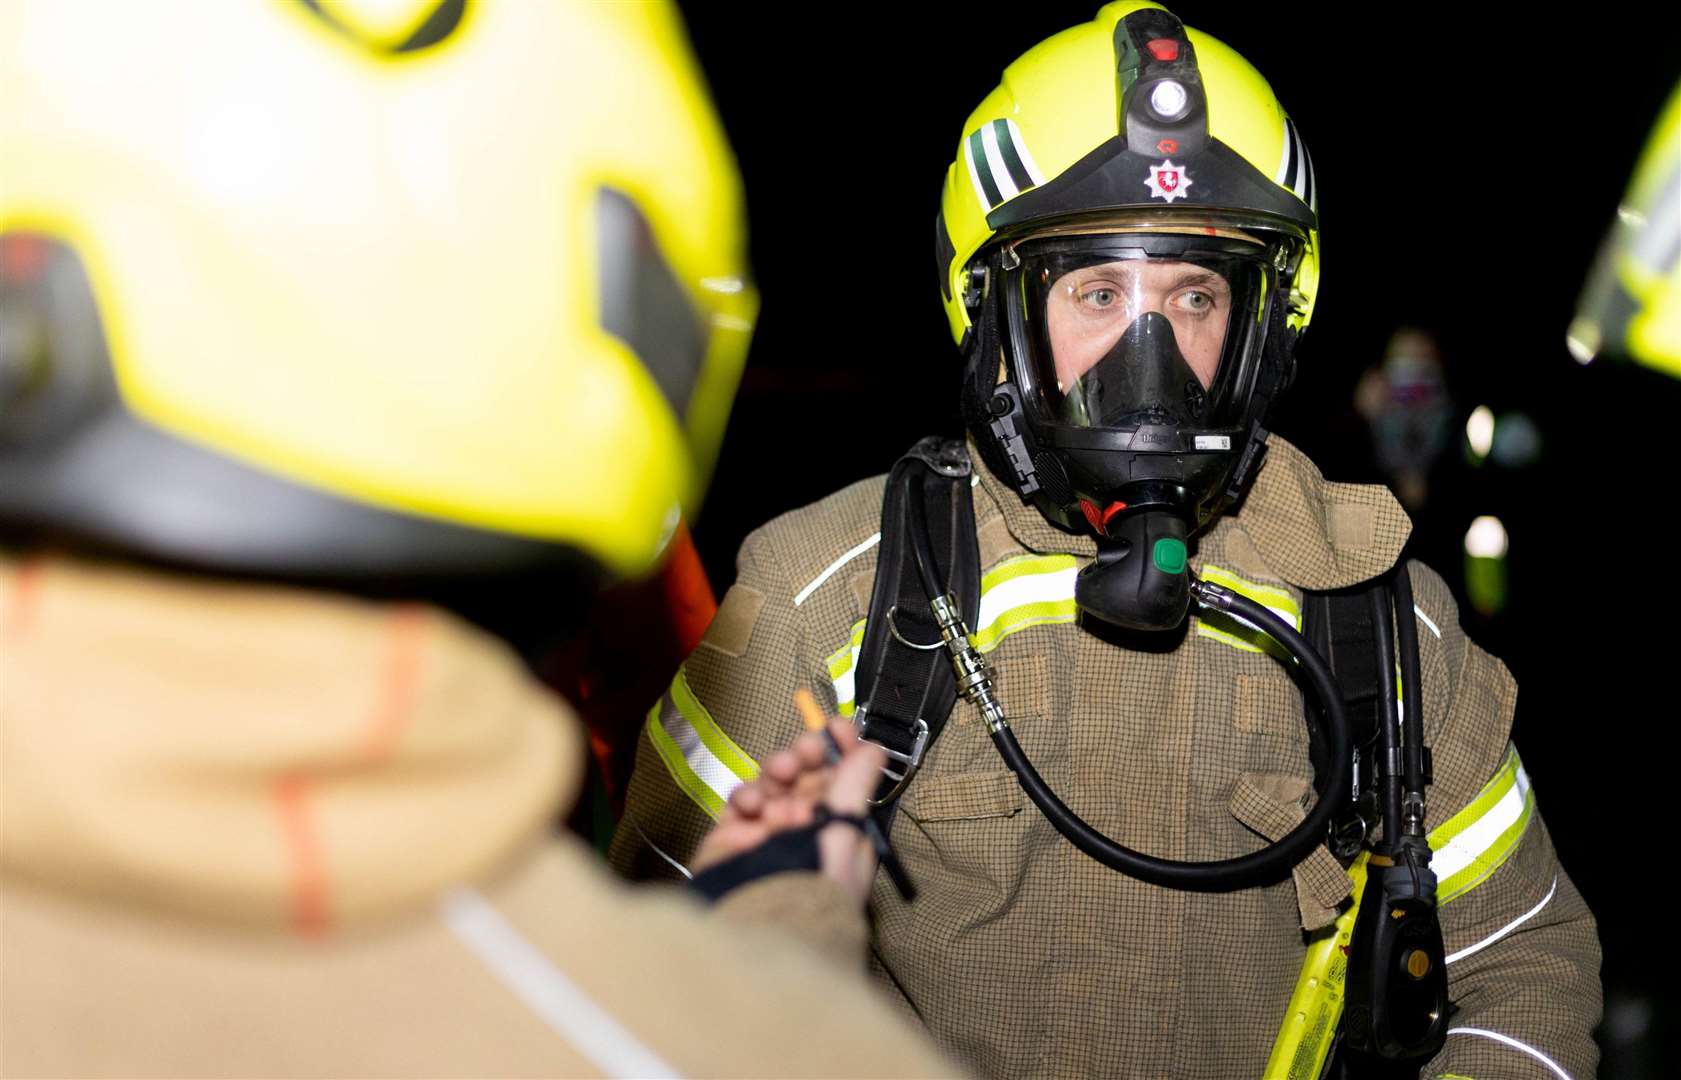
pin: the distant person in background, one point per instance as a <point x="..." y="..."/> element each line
<point x="1406" y="405"/>
<point x="345" y="348"/>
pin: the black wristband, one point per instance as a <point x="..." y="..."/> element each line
<point x="795" y="849"/>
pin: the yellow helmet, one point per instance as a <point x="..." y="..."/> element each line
<point x="1134" y="143"/>
<point x="1049" y="143"/>
<point x="1632" y="304"/>
<point x="389" y="287"/>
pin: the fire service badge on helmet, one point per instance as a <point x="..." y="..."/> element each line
<point x="1167" y="181"/>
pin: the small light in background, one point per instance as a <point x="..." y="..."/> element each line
<point x="1486" y="539"/>
<point x="1485" y="565"/>
<point x="1479" y="432"/>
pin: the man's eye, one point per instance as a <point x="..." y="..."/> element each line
<point x="1098" y="298"/>
<point x="1196" y="302"/>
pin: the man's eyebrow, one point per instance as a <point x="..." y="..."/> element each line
<point x="1197" y="276"/>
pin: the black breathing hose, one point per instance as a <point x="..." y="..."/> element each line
<point x="1388" y="772"/>
<point x="1412" y="708"/>
<point x="1271" y="863"/>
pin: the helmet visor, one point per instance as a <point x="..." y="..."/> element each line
<point x="1128" y="331"/>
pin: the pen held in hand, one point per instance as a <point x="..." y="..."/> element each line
<point x="813" y="719"/>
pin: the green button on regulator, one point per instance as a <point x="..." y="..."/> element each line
<point x="1169" y="556"/>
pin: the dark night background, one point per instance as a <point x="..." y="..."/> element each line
<point x="1469" y="164"/>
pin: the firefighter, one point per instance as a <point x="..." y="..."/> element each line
<point x="1128" y="250"/>
<point x="345" y="348"/>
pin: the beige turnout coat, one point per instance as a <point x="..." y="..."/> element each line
<point x="1025" y="957"/>
<point x="259" y="832"/>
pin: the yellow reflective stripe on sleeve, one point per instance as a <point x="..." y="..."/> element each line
<point x="702" y="760"/>
<point x="1472" y="844"/>
<point x="842" y="665"/>
<point x="1235" y="632"/>
<point x="1028" y="590"/>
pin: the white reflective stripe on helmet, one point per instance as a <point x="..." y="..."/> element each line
<point x="1013" y="132"/>
<point x="702" y="760"/>
<point x="995" y="163"/>
<point x="981" y="196"/>
<point x="1472" y="844"/>
<point x="1233" y="631"/>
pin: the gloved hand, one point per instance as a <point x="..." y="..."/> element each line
<point x="784" y="799"/>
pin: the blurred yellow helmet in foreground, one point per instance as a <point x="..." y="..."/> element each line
<point x="326" y="289"/>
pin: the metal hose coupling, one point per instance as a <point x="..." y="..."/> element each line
<point x="1211" y="595"/>
<point x="974" y="681"/>
<point x="1412" y="815"/>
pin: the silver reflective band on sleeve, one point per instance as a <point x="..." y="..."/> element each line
<point x="829" y="571"/>
<point x="1475" y="842"/>
<point x="1514" y="1044"/>
<point x="1507" y="929"/>
<point x="546" y="991"/>
<point x="703" y="761"/>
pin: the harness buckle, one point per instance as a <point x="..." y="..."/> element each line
<point x="912" y="761"/>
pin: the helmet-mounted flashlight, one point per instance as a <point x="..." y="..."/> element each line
<point x="1169" y="99"/>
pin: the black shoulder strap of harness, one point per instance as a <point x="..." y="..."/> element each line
<point x="905" y="686"/>
<point x="1339" y="624"/>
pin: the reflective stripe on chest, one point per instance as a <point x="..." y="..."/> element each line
<point x="1230" y="630"/>
<point x="1038" y="590"/>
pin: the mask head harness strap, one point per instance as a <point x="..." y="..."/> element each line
<point x="993" y="410"/>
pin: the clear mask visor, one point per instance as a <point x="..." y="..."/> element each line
<point x="1122" y="337"/>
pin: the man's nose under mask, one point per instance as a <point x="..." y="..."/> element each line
<point x="1142" y="379"/>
